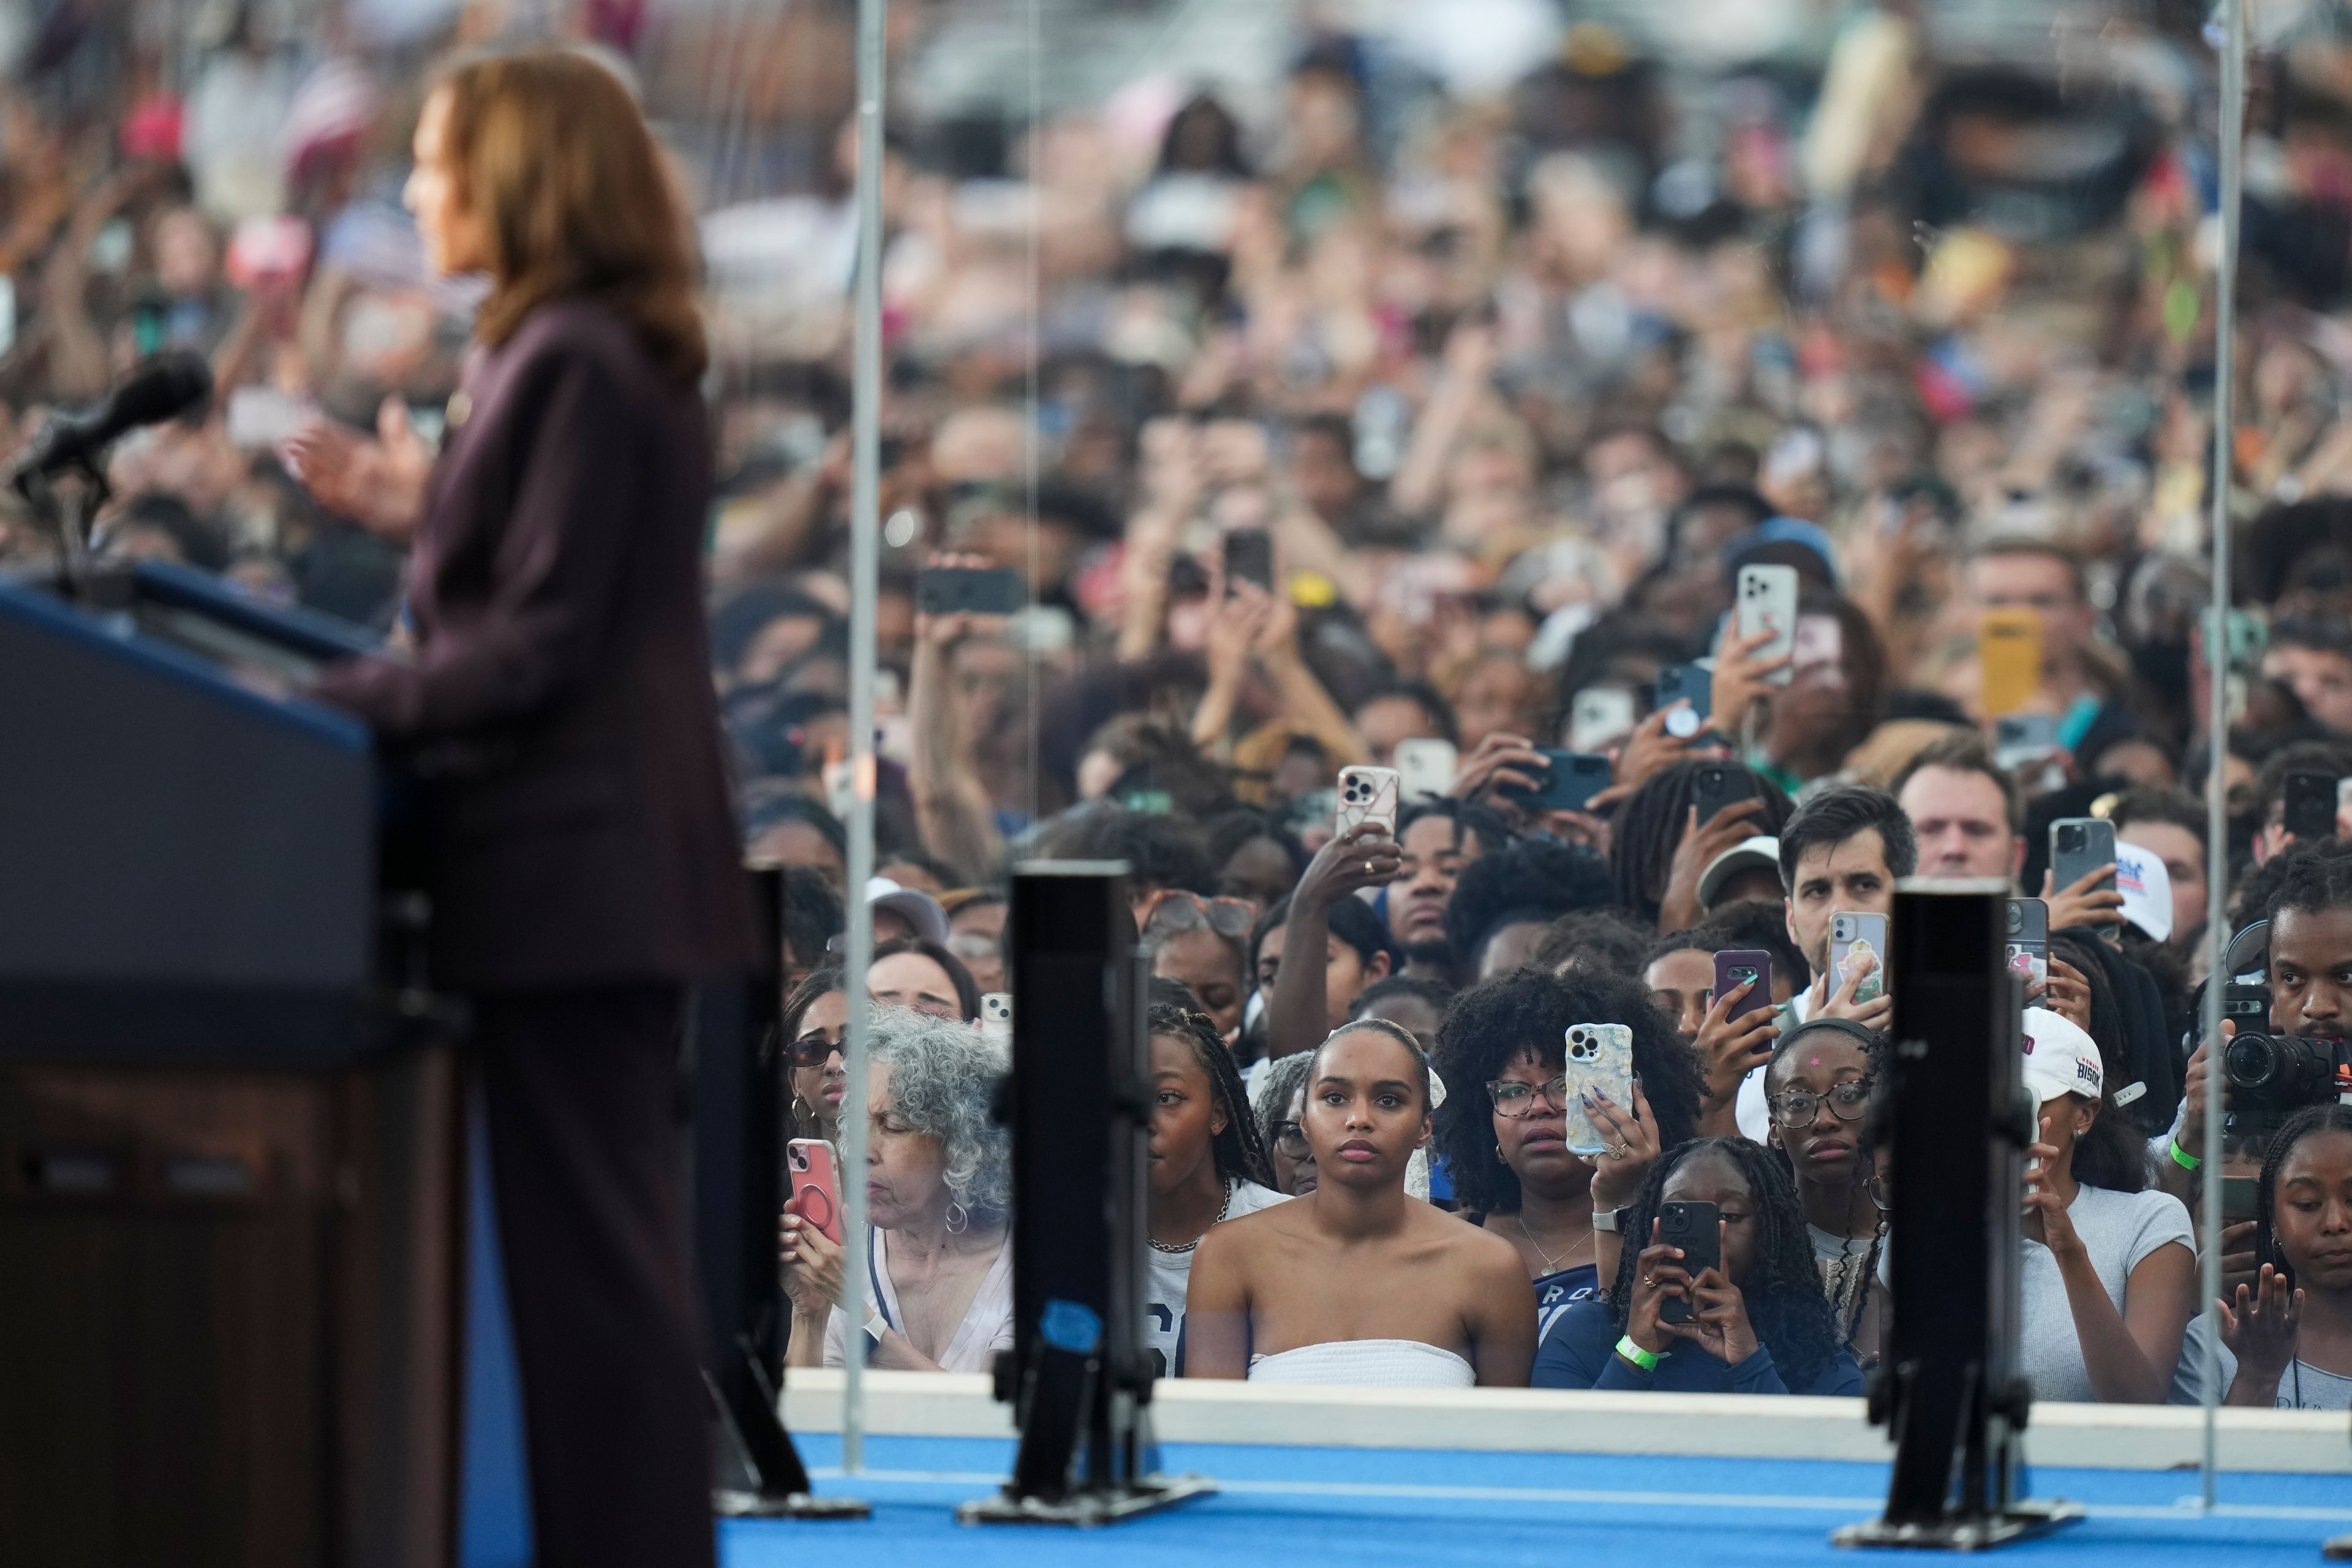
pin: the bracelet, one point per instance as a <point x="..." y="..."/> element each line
<point x="1606" y="1220"/>
<point x="2183" y="1158"/>
<point x="876" y="1325"/>
<point x="1646" y="1360"/>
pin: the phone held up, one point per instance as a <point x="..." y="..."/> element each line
<point x="816" y="1193"/>
<point x="1425" y="766"/>
<point x="1367" y="794"/>
<point x="969" y="590"/>
<point x="2080" y="846"/>
<point x="1766" y="602"/>
<point x="2027" y="952"/>
<point x="1734" y="967"/>
<point x="1858" y="942"/>
<point x="2311" y="799"/>
<point x="1596" y="1056"/>
<point x="1570" y="781"/>
<point x="1698" y="1229"/>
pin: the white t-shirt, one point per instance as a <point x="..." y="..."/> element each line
<point x="2118" y="1230"/>
<point x="1171" y="1275"/>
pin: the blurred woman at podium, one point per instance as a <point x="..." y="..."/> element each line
<point x="580" y="854"/>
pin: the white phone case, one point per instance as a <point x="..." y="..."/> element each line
<point x="1767" y="602"/>
<point x="1599" y="1056"/>
<point x="1367" y="794"/>
<point x="1424" y="767"/>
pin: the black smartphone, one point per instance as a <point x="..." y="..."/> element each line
<point x="1691" y="683"/>
<point x="1696" y="1228"/>
<point x="2079" y="846"/>
<point x="1717" y="785"/>
<point x="969" y="590"/>
<point x="1249" y="558"/>
<point x="1569" y="783"/>
<point x="2310" y="805"/>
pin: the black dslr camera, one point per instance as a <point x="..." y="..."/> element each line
<point x="2270" y="1075"/>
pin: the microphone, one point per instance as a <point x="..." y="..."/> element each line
<point x="162" y="388"/>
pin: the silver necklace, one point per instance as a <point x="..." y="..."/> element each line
<point x="1159" y="1245"/>
<point x="1549" y="1266"/>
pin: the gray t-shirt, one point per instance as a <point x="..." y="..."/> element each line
<point x="2118" y="1230"/>
<point x="1171" y="1273"/>
<point x="2302" y="1386"/>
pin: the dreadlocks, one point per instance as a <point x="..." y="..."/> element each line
<point x="1782" y="1290"/>
<point x="1239" y="1151"/>
<point x="2328" y="1116"/>
<point x="1651" y="824"/>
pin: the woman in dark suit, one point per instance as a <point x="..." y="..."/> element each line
<point x="581" y="852"/>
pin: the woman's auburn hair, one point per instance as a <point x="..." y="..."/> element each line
<point x="576" y="197"/>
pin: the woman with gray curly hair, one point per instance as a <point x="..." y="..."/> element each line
<point x="938" y="1186"/>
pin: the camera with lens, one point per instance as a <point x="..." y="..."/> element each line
<point x="2270" y="1075"/>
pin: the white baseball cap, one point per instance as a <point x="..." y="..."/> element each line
<point x="913" y="905"/>
<point x="2059" y="1058"/>
<point x="2146" y="887"/>
<point x="1762" y="851"/>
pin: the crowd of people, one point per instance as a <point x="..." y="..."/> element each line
<point x="1407" y="421"/>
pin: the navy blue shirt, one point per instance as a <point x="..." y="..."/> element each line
<point x="1556" y="1293"/>
<point x="1579" y="1351"/>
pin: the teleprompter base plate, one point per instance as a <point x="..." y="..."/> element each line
<point x="1963" y="1534"/>
<point x="1150" y="1495"/>
<point x="731" y="1504"/>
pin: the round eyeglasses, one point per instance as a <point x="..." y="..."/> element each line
<point x="1798" y="1107"/>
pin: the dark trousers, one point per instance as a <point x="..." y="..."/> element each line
<point x="582" y="1093"/>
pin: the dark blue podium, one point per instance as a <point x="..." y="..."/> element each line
<point x="231" y="1132"/>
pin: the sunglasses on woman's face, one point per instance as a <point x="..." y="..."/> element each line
<point x="1176" y="909"/>
<point x="812" y="1049"/>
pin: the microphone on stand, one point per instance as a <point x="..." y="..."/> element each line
<point x="163" y="387"/>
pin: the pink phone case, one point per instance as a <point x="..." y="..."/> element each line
<point x="816" y="1194"/>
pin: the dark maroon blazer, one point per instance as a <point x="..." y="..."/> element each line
<point x="578" y="830"/>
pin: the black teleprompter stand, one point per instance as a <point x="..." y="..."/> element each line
<point x="739" y="1082"/>
<point x="1078" y="1376"/>
<point x="1950" y="1387"/>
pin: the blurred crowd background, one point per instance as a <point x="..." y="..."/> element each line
<point x="1518" y="324"/>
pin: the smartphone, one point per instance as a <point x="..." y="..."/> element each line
<point x="1598" y="715"/>
<point x="2021" y="739"/>
<point x="1717" y="785"/>
<point x="1569" y="783"/>
<point x="1693" y="683"/>
<point x="1853" y="938"/>
<point x="2027" y="951"/>
<point x="969" y="590"/>
<point x="2079" y="846"/>
<point x="259" y="417"/>
<point x="817" y="1194"/>
<point x="1249" y="558"/>
<point x="1367" y="794"/>
<point x="2311" y="805"/>
<point x="2009" y="656"/>
<point x="1767" y="602"/>
<point x="1733" y="966"/>
<point x="1425" y="766"/>
<point x="996" y="1016"/>
<point x="1599" y="1058"/>
<point x="1698" y="1229"/>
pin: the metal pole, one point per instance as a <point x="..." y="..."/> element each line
<point x="864" y="572"/>
<point x="2232" y="116"/>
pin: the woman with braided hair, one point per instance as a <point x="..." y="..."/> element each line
<point x="1817" y="1084"/>
<point x="2288" y="1336"/>
<point x="1208" y="1163"/>
<point x="1758" y="1325"/>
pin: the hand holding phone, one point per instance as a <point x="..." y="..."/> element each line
<point x="1571" y="782"/>
<point x="816" y="1193"/>
<point x="1765" y="605"/>
<point x="1697" y="1229"/>
<point x="1368" y="795"/>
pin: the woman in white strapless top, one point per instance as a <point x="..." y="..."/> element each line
<point x="1355" y="1283"/>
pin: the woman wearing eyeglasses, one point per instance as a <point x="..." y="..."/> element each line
<point x="1208" y="1164"/>
<point x="1507" y="1147"/>
<point x="1357" y="1283"/>
<point x="816" y="1021"/>
<point x="1204" y="945"/>
<point x="1817" y="1087"/>
<point x="1283" y="1106"/>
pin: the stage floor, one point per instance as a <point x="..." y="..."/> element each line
<point x="1284" y="1506"/>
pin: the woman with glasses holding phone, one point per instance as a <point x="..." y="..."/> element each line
<point x="1204" y="945"/>
<point x="1817" y="1086"/>
<point x="1209" y="1164"/>
<point x="1506" y="1144"/>
<point x="813" y="1035"/>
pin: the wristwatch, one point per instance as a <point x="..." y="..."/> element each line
<point x="1606" y="1220"/>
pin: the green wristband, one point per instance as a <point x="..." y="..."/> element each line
<point x="1646" y="1360"/>
<point x="2183" y="1158"/>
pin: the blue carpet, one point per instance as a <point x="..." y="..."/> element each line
<point x="1371" y="1509"/>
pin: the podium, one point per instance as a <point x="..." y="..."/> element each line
<point x="231" y="1132"/>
